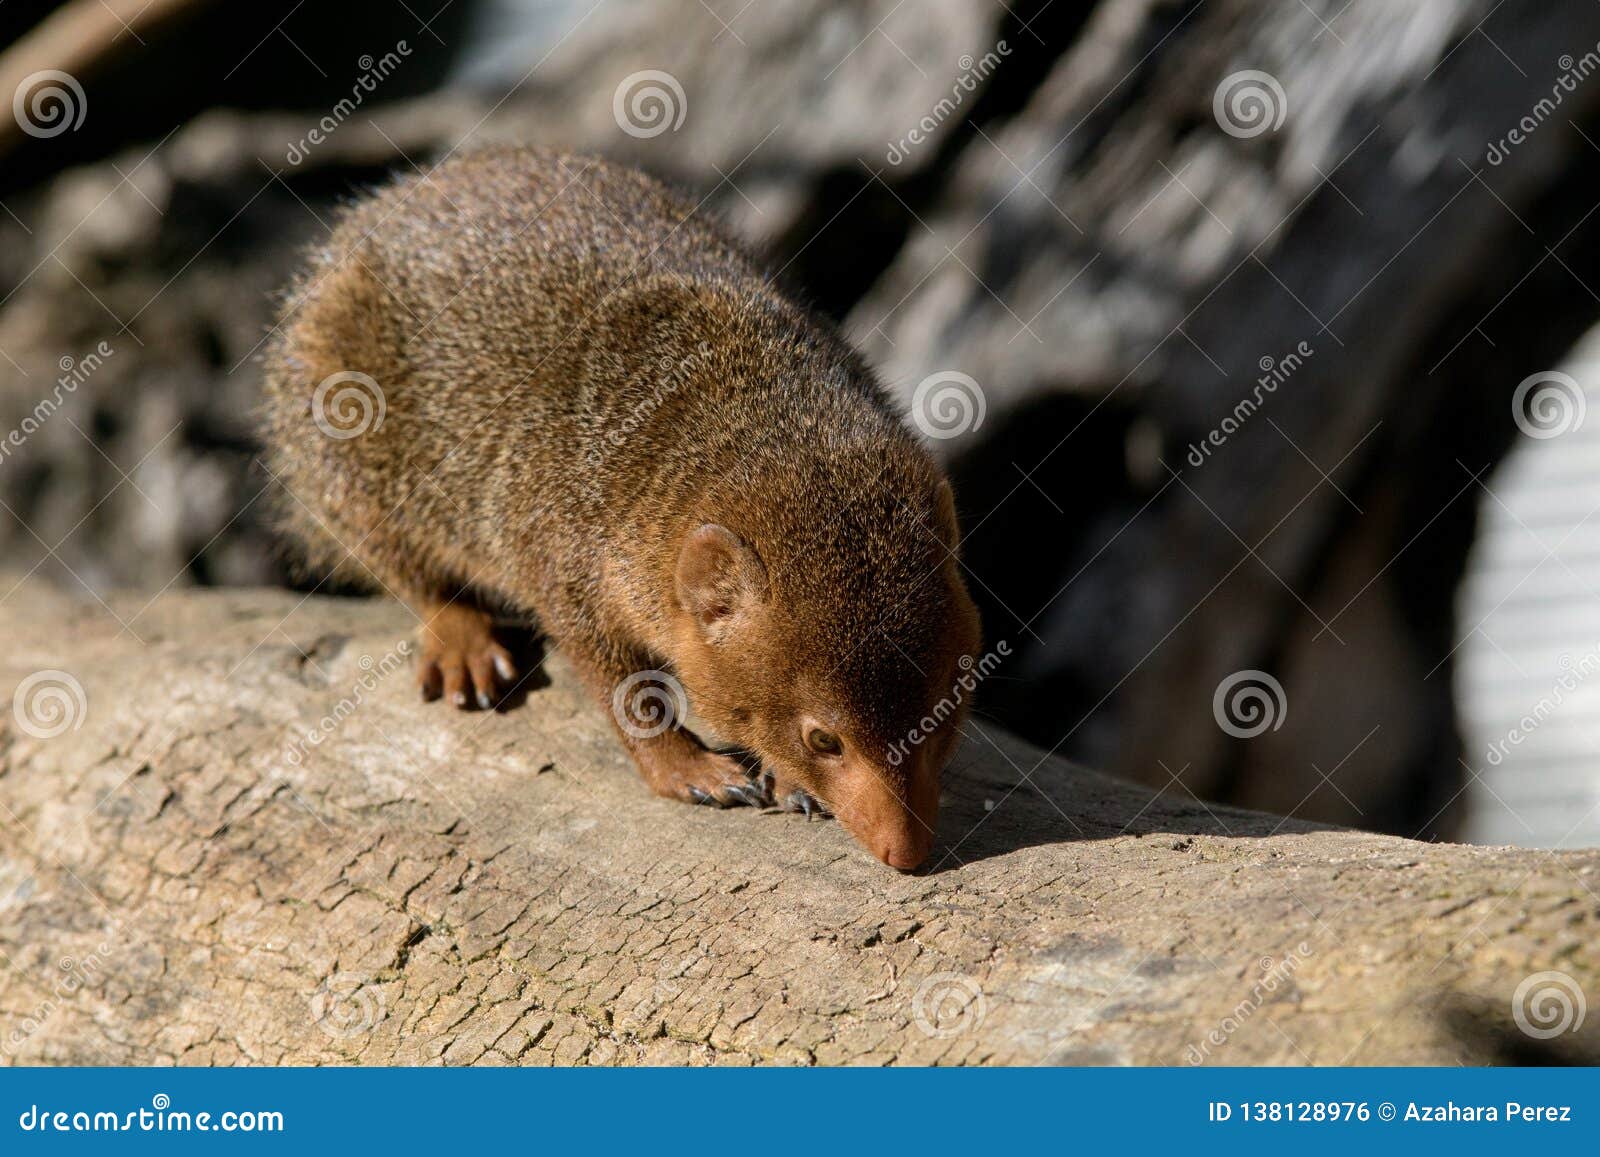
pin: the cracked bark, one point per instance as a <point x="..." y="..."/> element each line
<point x="424" y="886"/>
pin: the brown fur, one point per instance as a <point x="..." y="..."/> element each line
<point x="598" y="410"/>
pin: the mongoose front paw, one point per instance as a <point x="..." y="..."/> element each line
<point x="704" y="777"/>
<point x="460" y="659"/>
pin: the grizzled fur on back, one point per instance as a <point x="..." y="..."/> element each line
<point x="524" y="337"/>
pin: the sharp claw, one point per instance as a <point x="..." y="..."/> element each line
<point x="484" y="702"/>
<point x="803" y="803"/>
<point x="699" y="796"/>
<point x="504" y="669"/>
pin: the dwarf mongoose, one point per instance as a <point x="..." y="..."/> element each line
<point x="544" y="383"/>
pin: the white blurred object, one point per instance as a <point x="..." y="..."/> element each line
<point x="1529" y="674"/>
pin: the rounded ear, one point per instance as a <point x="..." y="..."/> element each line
<point x="719" y="578"/>
<point x="944" y="506"/>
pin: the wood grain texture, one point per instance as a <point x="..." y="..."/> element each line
<point x="420" y="886"/>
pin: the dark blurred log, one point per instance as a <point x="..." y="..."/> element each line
<point x="1134" y="287"/>
<point x="77" y="38"/>
<point x="140" y="69"/>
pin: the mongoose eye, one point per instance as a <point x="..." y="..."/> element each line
<point x="823" y="742"/>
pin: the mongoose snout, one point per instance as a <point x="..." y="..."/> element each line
<point x="587" y="404"/>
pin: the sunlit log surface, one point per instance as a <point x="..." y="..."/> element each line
<point x="186" y="877"/>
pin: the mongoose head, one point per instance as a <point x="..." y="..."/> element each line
<point x="834" y="646"/>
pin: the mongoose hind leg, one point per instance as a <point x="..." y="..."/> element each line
<point x="460" y="658"/>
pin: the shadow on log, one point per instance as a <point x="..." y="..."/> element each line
<point x="186" y="875"/>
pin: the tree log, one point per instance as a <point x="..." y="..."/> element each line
<point x="186" y="877"/>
